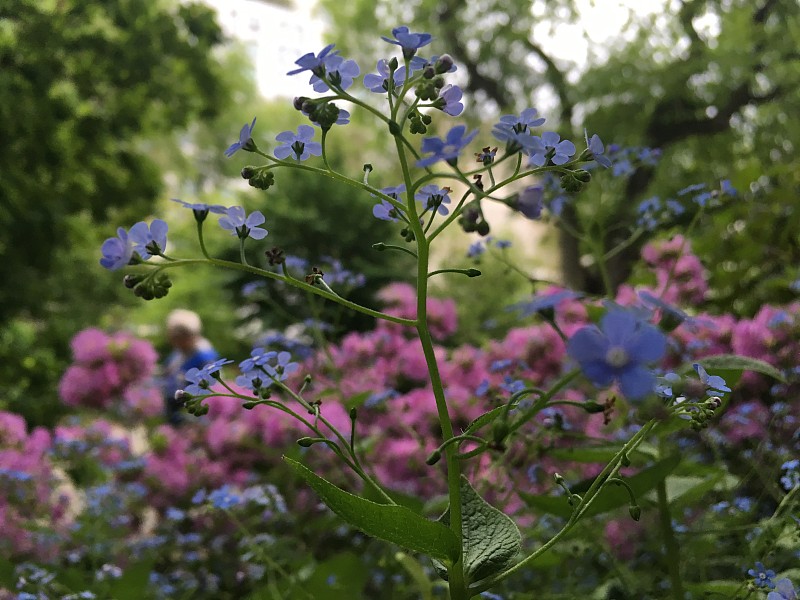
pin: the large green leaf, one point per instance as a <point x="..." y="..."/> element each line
<point x="611" y="496"/>
<point x="734" y="362"/>
<point x="491" y="539"/>
<point x="392" y="523"/>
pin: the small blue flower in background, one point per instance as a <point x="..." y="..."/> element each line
<point x="202" y="206"/>
<point x="482" y="388"/>
<point x="339" y="71"/>
<point x="550" y="142"/>
<point x="530" y="201"/>
<point x="224" y="498"/>
<point x="791" y="478"/>
<point x="476" y="249"/>
<point x="434" y="198"/>
<point x="409" y="42"/>
<point x="667" y="309"/>
<point x="379" y="83"/>
<point x="595" y="146"/>
<point x="314" y="62"/>
<point x="298" y="144"/>
<point x="716" y="385"/>
<point x="149" y="240"/>
<point x="511" y="385"/>
<point x="784" y="590"/>
<point x="727" y="188"/>
<point x="450" y="100"/>
<point x="117" y="252"/>
<point x="446" y="149"/>
<point x="245" y="135"/>
<point x="237" y="222"/>
<point x="544" y="302"/>
<point x="619" y="350"/>
<point x="762" y="576"/>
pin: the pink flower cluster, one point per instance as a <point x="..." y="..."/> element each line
<point x="27" y="490"/>
<point x="105" y="367"/>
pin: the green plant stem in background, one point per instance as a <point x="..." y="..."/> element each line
<point x="672" y="551"/>
<point x="588" y="498"/>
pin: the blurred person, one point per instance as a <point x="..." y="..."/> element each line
<point x="190" y="351"/>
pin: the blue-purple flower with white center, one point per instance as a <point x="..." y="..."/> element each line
<point x="529" y="201"/>
<point x="618" y="351"/>
<point x="762" y="577"/>
<point x="379" y="83"/>
<point x="716" y="385"/>
<point x="596" y="148"/>
<point x="314" y="62"/>
<point x="338" y="71"/>
<point x="255" y="381"/>
<point x="449" y="100"/>
<point x="239" y="223"/>
<point x="258" y="358"/>
<point x="299" y="144"/>
<point x="282" y="368"/>
<point x="784" y="590"/>
<point x="446" y="149"/>
<point x="550" y="142"/>
<point x="434" y="198"/>
<point x="245" y="140"/>
<point x="543" y="302"/>
<point x="149" y="240"/>
<point x="409" y="42"/>
<point x="117" y="251"/>
<point x="525" y="121"/>
<point x="201" y="380"/>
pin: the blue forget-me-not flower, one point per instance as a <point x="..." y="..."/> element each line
<point x="619" y="350"/>
<point x="299" y="144"/>
<point x="446" y="149"/>
<point x="239" y="223"/>
<point x="149" y="240"/>
<point x="245" y="136"/>
<point x="117" y="251"/>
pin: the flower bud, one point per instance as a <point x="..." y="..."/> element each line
<point x="299" y="102"/>
<point x="635" y="512"/>
<point x="444" y="63"/>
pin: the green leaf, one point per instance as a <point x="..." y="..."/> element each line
<point x="396" y="524"/>
<point x="734" y="362"/>
<point x="611" y="496"/>
<point x="490" y="538"/>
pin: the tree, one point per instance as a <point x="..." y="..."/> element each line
<point x="709" y="83"/>
<point x="87" y="91"/>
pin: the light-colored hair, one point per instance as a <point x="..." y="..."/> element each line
<point x="184" y="321"/>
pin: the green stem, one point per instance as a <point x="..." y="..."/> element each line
<point x="201" y="240"/>
<point x="293" y="282"/>
<point x="672" y="551"/>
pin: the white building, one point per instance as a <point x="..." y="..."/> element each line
<point x="276" y="33"/>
